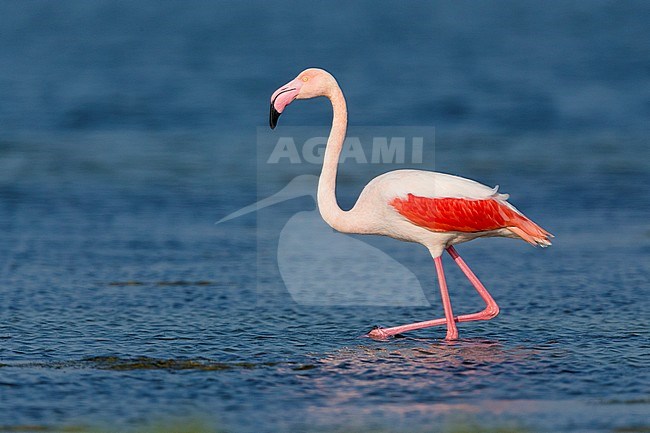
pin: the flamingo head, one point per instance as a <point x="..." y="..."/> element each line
<point x="310" y="83"/>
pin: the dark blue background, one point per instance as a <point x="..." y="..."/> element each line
<point x="128" y="128"/>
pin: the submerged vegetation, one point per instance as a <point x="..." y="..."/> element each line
<point x="198" y="426"/>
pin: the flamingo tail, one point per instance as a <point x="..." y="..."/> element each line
<point x="530" y="232"/>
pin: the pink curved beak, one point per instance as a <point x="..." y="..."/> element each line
<point x="281" y="98"/>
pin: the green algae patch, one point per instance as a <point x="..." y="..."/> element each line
<point x="26" y="428"/>
<point x="304" y="367"/>
<point x="147" y="363"/>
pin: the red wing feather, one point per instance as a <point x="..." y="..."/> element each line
<point x="467" y="215"/>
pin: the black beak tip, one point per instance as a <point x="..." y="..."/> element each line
<point x="273" y="117"/>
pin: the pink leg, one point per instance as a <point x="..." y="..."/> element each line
<point x="490" y="311"/>
<point x="452" y="332"/>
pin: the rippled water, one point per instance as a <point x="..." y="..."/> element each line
<point x="128" y="130"/>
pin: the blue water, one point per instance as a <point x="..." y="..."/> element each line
<point x="128" y="128"/>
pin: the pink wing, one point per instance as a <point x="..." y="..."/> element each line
<point x="468" y="215"/>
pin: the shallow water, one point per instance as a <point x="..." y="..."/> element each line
<point x="127" y="131"/>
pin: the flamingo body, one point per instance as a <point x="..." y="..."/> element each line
<point x="436" y="210"/>
<point x="439" y="210"/>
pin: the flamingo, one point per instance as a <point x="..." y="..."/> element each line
<point x="436" y="210"/>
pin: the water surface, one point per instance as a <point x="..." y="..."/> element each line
<point x="129" y="129"/>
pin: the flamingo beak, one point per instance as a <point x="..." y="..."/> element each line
<point x="281" y="98"/>
<point x="273" y="117"/>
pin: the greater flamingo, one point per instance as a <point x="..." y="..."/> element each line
<point x="433" y="209"/>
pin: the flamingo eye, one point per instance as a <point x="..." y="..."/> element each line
<point x="305" y="79"/>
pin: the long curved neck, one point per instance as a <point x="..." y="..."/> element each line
<point x="327" y="204"/>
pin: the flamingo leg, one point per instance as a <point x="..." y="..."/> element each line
<point x="490" y="311"/>
<point x="449" y="319"/>
<point x="452" y="332"/>
<point x="491" y="308"/>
